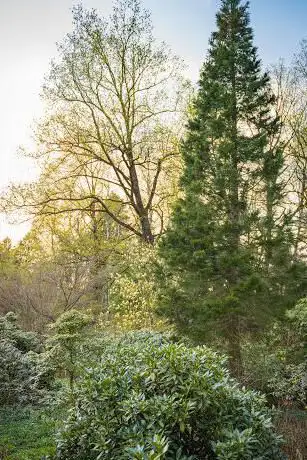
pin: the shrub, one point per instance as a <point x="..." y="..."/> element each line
<point x="11" y="333"/>
<point x="152" y="399"/>
<point x="23" y="378"/>
<point x="65" y="345"/>
<point x="298" y="315"/>
<point x="277" y="363"/>
<point x="268" y="370"/>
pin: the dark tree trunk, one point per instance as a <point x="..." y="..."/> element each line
<point x="142" y="212"/>
<point x="234" y="348"/>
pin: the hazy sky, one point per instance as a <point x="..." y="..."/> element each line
<point x="29" y="30"/>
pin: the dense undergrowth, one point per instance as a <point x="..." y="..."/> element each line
<point x="147" y="395"/>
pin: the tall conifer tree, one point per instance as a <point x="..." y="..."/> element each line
<point x="211" y="256"/>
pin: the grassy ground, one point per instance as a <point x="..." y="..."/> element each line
<point x="25" y="434"/>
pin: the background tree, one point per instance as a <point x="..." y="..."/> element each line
<point x="115" y="101"/>
<point x="133" y="293"/>
<point x="65" y="261"/>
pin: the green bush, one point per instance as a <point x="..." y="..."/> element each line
<point x="65" y="346"/>
<point x="24" y="377"/>
<point x="11" y="333"/>
<point x="277" y="363"/>
<point x="268" y="370"/>
<point x="151" y="399"/>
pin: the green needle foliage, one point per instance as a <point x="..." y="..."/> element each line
<point x="218" y="250"/>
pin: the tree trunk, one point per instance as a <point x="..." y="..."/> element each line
<point x="301" y="210"/>
<point x="269" y="224"/>
<point x="234" y="348"/>
<point x="71" y="382"/>
<point x="142" y="212"/>
<point x="146" y="229"/>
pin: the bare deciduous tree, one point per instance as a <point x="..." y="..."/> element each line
<point x="290" y="85"/>
<point x="115" y="100"/>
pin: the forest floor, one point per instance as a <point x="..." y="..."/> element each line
<point x="26" y="434"/>
<point x="292" y="425"/>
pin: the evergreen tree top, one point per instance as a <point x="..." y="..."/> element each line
<point x="234" y="93"/>
<point x="232" y="5"/>
<point x="232" y="42"/>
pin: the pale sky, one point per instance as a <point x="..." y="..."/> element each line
<point x="29" y="30"/>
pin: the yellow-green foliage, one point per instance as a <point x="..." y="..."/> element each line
<point x="133" y="297"/>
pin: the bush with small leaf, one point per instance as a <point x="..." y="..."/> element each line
<point x="277" y="363"/>
<point x="65" y="346"/>
<point x="23" y="378"/>
<point x="152" y="399"/>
